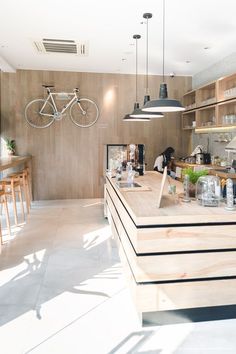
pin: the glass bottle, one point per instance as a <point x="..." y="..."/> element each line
<point x="186" y="198"/>
<point x="229" y="195"/>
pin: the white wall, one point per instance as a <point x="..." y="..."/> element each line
<point x="224" y="67"/>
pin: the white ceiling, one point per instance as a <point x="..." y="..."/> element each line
<point x="108" y="26"/>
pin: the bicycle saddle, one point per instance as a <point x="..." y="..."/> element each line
<point x="48" y="86"/>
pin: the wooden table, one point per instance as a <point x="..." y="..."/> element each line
<point x="181" y="256"/>
<point x="9" y="162"/>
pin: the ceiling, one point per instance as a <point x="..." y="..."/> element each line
<point x="108" y="26"/>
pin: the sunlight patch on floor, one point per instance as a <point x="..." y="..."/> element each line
<point x="94" y="238"/>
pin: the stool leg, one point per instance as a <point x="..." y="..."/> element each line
<point x="25" y="192"/>
<point x="7" y="214"/>
<point x="29" y="183"/>
<point x="14" y="203"/>
<point x="21" y="202"/>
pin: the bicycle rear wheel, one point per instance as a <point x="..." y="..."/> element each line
<point x="84" y="113"/>
<point x="37" y="119"/>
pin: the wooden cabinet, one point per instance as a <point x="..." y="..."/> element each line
<point x="211" y="106"/>
<point x="189" y="100"/>
<point x="206" y="95"/>
<point x="206" y="117"/>
<point x="189" y="120"/>
<point x="227" y="88"/>
<point x="227" y="113"/>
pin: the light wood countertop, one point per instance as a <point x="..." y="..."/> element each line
<point x="142" y="205"/>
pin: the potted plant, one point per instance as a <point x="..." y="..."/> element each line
<point x="193" y="177"/>
<point x="11" y="146"/>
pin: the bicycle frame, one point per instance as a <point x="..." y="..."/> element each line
<point x="50" y="98"/>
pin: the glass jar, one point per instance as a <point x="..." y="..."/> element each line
<point x="208" y="191"/>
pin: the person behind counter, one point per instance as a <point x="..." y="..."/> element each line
<point x="163" y="160"/>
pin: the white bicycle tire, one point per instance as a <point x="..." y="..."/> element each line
<point x="30" y="104"/>
<point x="92" y="105"/>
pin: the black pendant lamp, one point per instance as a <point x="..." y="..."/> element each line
<point x="147" y="16"/>
<point x="128" y="118"/>
<point x="163" y="104"/>
<point x="137" y="115"/>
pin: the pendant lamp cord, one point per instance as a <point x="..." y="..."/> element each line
<point x="163" y="43"/>
<point x="147" y="59"/>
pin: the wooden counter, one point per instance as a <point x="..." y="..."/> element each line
<point x="9" y="162"/>
<point x="220" y="172"/>
<point x="183" y="164"/>
<point x="180" y="256"/>
<point x="213" y="169"/>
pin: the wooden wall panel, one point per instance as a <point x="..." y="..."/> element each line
<point x="68" y="160"/>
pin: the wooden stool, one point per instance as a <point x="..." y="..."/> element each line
<point x="24" y="178"/>
<point x="11" y="186"/>
<point x="3" y="200"/>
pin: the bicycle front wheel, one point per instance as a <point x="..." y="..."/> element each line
<point x="39" y="113"/>
<point x="84" y="113"/>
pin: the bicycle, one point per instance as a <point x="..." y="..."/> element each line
<point x="41" y="113"/>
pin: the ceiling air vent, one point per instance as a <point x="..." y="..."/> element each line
<point x="65" y="46"/>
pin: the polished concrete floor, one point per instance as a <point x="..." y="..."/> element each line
<point x="62" y="290"/>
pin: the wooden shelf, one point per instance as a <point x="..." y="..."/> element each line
<point x="188" y="119"/>
<point x="227" y="113"/>
<point x="206" y="95"/>
<point x="206" y="117"/>
<point x="212" y="105"/>
<point x="189" y="100"/>
<point x="227" y="88"/>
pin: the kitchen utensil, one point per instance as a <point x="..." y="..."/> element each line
<point x="200" y="158"/>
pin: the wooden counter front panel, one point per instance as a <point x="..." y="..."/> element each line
<point x="175" y="296"/>
<point x="178" y="267"/>
<point x="129" y="225"/>
<point x="166" y="267"/>
<point x="189" y="238"/>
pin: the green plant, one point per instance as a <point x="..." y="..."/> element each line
<point x="10" y="144"/>
<point x="194" y="175"/>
